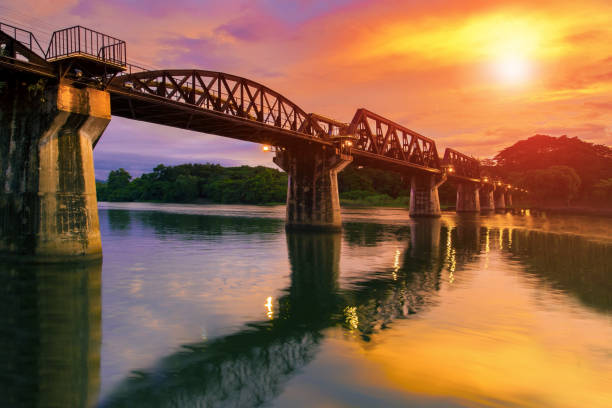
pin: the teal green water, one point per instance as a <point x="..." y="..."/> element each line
<point x="205" y="306"/>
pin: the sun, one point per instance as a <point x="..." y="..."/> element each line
<point x="512" y="69"/>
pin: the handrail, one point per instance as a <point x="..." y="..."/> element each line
<point x="16" y="32"/>
<point x="80" y="40"/>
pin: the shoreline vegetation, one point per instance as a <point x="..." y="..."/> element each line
<point x="215" y="184"/>
<point x="563" y="175"/>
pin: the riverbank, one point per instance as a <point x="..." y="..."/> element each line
<point x="597" y="212"/>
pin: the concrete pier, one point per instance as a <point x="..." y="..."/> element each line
<point x="424" y="199"/>
<point x="487" y="201"/>
<point x="500" y="199"/>
<point x="312" y="194"/>
<point x="468" y="197"/>
<point x="508" y="198"/>
<point x="48" y="208"/>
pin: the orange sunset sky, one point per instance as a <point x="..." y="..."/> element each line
<point x="473" y="75"/>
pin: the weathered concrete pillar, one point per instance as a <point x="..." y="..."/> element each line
<point x="424" y="199"/>
<point x="468" y="197"/>
<point x="500" y="199"/>
<point x="48" y="208"/>
<point x="312" y="194"/>
<point x="487" y="202"/>
<point x="508" y="199"/>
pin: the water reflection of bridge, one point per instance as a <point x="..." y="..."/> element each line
<point x="251" y="366"/>
<point x="50" y="330"/>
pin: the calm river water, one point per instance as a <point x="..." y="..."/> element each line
<point x="205" y="306"/>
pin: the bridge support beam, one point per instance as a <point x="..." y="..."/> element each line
<point x="48" y="207"/>
<point x="500" y="199"/>
<point x="424" y="199"/>
<point x="468" y="197"/>
<point x="312" y="194"/>
<point x="487" y="201"/>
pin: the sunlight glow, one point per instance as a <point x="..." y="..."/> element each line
<point x="512" y="70"/>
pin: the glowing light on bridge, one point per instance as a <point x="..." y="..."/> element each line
<point x="266" y="148"/>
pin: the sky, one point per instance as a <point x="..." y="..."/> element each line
<point x="476" y="76"/>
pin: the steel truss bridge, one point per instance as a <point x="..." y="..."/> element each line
<point x="223" y="104"/>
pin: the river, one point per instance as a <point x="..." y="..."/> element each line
<point x="206" y="305"/>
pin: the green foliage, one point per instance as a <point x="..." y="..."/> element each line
<point x="590" y="162"/>
<point x="374" y="181"/>
<point x="370" y="199"/>
<point x="602" y="191"/>
<point x="244" y="185"/>
<point x="197" y="182"/>
<point x="554" y="185"/>
<point x="118" y="186"/>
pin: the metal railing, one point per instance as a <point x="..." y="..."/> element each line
<point x="24" y="37"/>
<point x="79" y="40"/>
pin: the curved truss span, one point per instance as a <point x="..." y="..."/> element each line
<point x="224" y="93"/>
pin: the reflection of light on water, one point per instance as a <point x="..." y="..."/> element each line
<point x="350" y="317"/>
<point x="451" y="255"/>
<point x="396" y="265"/>
<point x="268" y="306"/>
<point x="487" y="248"/>
<point x="510" y="237"/>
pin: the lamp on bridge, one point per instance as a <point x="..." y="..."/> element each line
<point x="485" y="179"/>
<point x="448" y="168"/>
<point x="270" y="149"/>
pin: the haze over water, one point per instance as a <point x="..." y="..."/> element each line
<point x="219" y="306"/>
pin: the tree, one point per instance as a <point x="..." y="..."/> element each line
<point x="556" y="185"/>
<point x="118" y="185"/>
<point x="590" y="162"/>
<point x="602" y="191"/>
